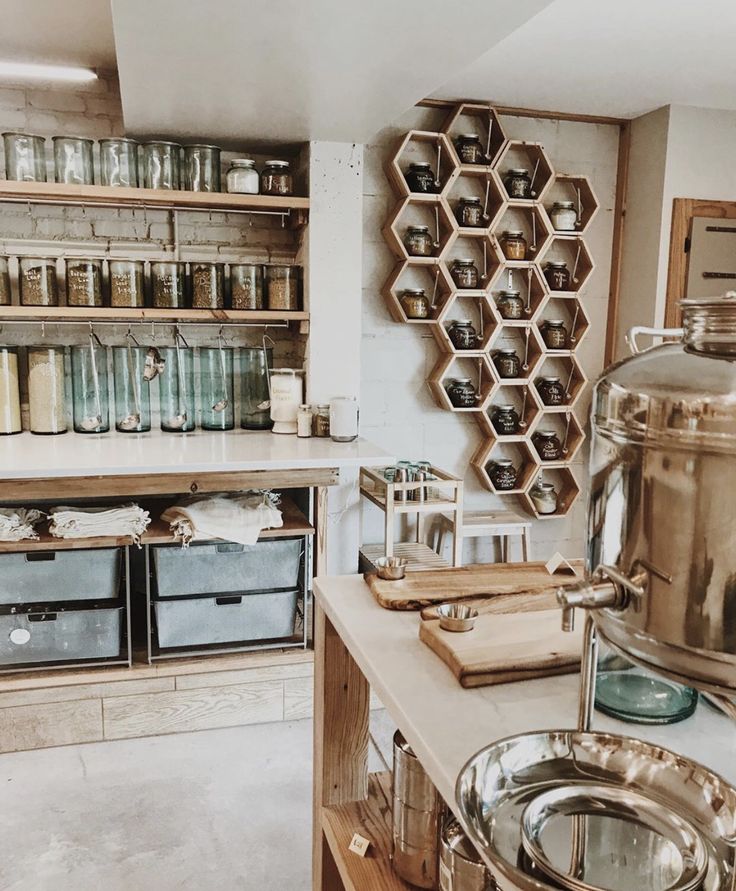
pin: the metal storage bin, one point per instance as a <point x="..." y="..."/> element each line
<point x="45" y="576"/>
<point x="76" y="634"/>
<point x="225" y="618"/>
<point x="224" y="567"/>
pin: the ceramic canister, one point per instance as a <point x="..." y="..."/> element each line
<point x="286" y="397"/>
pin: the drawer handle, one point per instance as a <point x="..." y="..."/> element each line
<point x="229" y="547"/>
<point x="40" y="557"/>
<point x="226" y="601"/>
<point x="41" y="617"/>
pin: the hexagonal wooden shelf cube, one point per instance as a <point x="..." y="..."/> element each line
<point x="575" y="188"/>
<point x="477" y="368"/>
<point x="528" y="347"/>
<point x="571" y="312"/>
<point x="518" y="453"/>
<point x="524" y="403"/>
<point x="480" y="120"/>
<point x="568" y="491"/>
<point x="568" y="430"/>
<point x="477" y="246"/>
<point x="527" y="280"/>
<point x="526" y="217"/>
<point x="409" y="211"/>
<point x="530" y="156"/>
<point x="434" y="281"/>
<point x="573" y="250"/>
<point x="476" y="183"/>
<point x="476" y="308"/>
<point x="423" y="146"/>
<point x="571" y="375"/>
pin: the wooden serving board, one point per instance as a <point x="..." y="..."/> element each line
<point x="506" y="647"/>
<point x="422" y="589"/>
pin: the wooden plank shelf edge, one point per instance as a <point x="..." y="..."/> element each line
<point x="52" y="314"/>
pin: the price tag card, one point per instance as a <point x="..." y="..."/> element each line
<point x="556" y="561"/>
<point x="359" y="845"/>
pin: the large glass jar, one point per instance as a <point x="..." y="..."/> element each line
<point x="469" y="212"/>
<point x="463" y="335"/>
<point x="557" y="275"/>
<point x="127" y="283"/>
<point x="415" y="303"/>
<point x="119" y="162"/>
<point x="513" y="245"/>
<point x="161" y="165"/>
<point x="505" y="420"/>
<point x="73" y="160"/>
<point x="255" y="399"/>
<point x="464" y="273"/>
<point x="208" y="286"/>
<point x="132" y="391"/>
<point x="246" y="286"/>
<point x="167" y="285"/>
<point x="216" y="388"/>
<point x="470" y="149"/>
<point x="10" y="421"/>
<point x="176" y="390"/>
<point x="420" y="178"/>
<point x="38" y="282"/>
<point x="548" y="445"/>
<point x="518" y="183"/>
<point x="201" y="168"/>
<point x="418" y="241"/>
<point x="89" y="388"/>
<point x="84" y="282"/>
<point x="282" y="288"/>
<point x="462" y="392"/>
<point x="544" y="497"/>
<point x="242" y="177"/>
<point x="508" y="364"/>
<point x="46" y="392"/>
<point x="5" y="292"/>
<point x="564" y="216"/>
<point x="25" y="157"/>
<point x="503" y="474"/>
<point x="554" y="334"/>
<point x="510" y="305"/>
<point x="550" y="390"/>
<point x="276" y="178"/>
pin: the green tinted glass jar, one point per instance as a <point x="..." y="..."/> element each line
<point x="91" y="405"/>
<point x="132" y="391"/>
<point x="161" y="165"/>
<point x="255" y="399"/>
<point x="176" y="390"/>
<point x="201" y="168"/>
<point x="217" y="405"/>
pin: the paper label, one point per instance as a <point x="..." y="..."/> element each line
<point x="556" y="561"/>
<point x="359" y="845"/>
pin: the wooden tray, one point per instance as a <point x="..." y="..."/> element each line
<point x="419" y="590"/>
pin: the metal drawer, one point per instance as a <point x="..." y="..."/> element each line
<point x="225" y="618"/>
<point x="224" y="567"/>
<point x="43" y="576"/>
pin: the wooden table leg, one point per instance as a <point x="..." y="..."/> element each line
<point x="341" y="715"/>
<point x="320" y="526"/>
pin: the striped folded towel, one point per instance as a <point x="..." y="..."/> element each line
<point x="93" y="522"/>
<point x="16" y="523"/>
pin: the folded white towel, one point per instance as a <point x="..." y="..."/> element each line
<point x="16" y="523"/>
<point x="93" y="522"/>
<point x="239" y="518"/>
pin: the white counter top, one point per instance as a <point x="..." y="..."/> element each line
<point x="446" y="724"/>
<point x="75" y="454"/>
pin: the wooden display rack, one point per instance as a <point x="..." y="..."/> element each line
<point x="456" y="180"/>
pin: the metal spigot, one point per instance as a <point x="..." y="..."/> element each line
<point x="606" y="589"/>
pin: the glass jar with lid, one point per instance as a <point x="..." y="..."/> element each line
<point x="73" y="160"/>
<point x="554" y="334"/>
<point x="557" y="275"/>
<point x="255" y="399"/>
<point x="420" y="178"/>
<point x="462" y="393"/>
<point x="508" y="364"/>
<point x="5" y="292"/>
<point x="208" y="286"/>
<point x="464" y="273"/>
<point x="201" y="168"/>
<point x="513" y="244"/>
<point x="276" y="178"/>
<point x="564" y="216"/>
<point x="550" y="390"/>
<point x="548" y="445"/>
<point x="161" y="165"/>
<point x="415" y="303"/>
<point x="38" y="282"/>
<point x="119" y="162"/>
<point x="84" y="282"/>
<point x="463" y="335"/>
<point x="10" y="418"/>
<point x="321" y="421"/>
<point x="246" y="286"/>
<point x="25" y="157"/>
<point x="505" y="420"/>
<point x="544" y="497"/>
<point x="304" y="421"/>
<point x="91" y="406"/>
<point x="127" y="283"/>
<point x="167" y="284"/>
<point x="518" y="183"/>
<point x="470" y="149"/>
<point x="216" y="388"/>
<point x="510" y="305"/>
<point x="132" y="390"/>
<point x="176" y="390"/>
<point x="242" y="177"/>
<point x="469" y="212"/>
<point x="282" y="288"/>
<point x="46" y="390"/>
<point x="418" y="241"/>
<point x="503" y="474"/>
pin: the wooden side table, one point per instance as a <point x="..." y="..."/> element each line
<point x="503" y="524"/>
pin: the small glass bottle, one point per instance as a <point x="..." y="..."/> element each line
<point x="508" y="364"/>
<point x="544" y="497"/>
<point x="276" y="178"/>
<point x="513" y="245"/>
<point x="119" y="162"/>
<point x="73" y="160"/>
<point x="10" y="418"/>
<point x="201" y="168"/>
<point x="161" y="165"/>
<point x="550" y="390"/>
<point x="91" y="406"/>
<point x="518" y="183"/>
<point x="418" y="241"/>
<point x="25" y="157"/>
<point x="282" y="288"/>
<point x="304" y="422"/>
<point x="505" y="420"/>
<point x="548" y="445"/>
<point x="469" y="212"/>
<point x="132" y="390"/>
<point x="46" y="390"/>
<point x="84" y="282"/>
<point x="557" y="275"/>
<point x="554" y="334"/>
<point x="216" y="388"/>
<point x="242" y="177"/>
<point x="246" y="286"/>
<point x="463" y="335"/>
<point x="503" y="474"/>
<point x="5" y="292"/>
<point x="176" y="390"/>
<point x="167" y="285"/>
<point x="421" y="178"/>
<point x="321" y="421"/>
<point x="510" y="305"/>
<point x="470" y="149"/>
<point x="38" y="282"/>
<point x="208" y="286"/>
<point x="255" y="399"/>
<point x="464" y="273"/>
<point x="127" y="283"/>
<point x="564" y="216"/>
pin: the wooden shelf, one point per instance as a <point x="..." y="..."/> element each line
<point x="130" y="314"/>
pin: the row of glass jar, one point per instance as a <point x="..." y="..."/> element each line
<point x="505" y="476"/>
<point x="251" y="285"/>
<point x="179" y="404"/>
<point x="463" y="335"/>
<point x="462" y="392"/>
<point x="163" y="165"/>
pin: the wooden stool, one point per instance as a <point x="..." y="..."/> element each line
<point x="501" y="524"/>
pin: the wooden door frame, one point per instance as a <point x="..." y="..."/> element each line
<point x="684" y="210"/>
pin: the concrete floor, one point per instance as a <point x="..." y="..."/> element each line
<point x="220" y="809"/>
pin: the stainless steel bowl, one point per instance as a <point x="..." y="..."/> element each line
<point x="391" y="569"/>
<point x="457" y="617"/>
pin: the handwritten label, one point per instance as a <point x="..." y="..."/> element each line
<point x="359" y="845"/>
<point x="556" y="561"/>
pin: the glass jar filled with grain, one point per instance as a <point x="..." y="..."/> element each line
<point x="84" y="282"/>
<point x="127" y="283"/>
<point x="276" y="178"/>
<point x="321" y="421"/>
<point x="246" y="286"/>
<point x="5" y="292"/>
<point x="282" y="288"/>
<point x="10" y="421"/>
<point x="242" y="177"/>
<point x="167" y="285"/>
<point x="38" y="282"/>
<point x="73" y="160"/>
<point x="208" y="286"/>
<point x="46" y="393"/>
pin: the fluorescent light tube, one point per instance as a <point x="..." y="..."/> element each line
<point x="31" y="71"/>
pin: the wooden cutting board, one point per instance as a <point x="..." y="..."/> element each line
<point x="506" y="647"/>
<point x="420" y="589"/>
